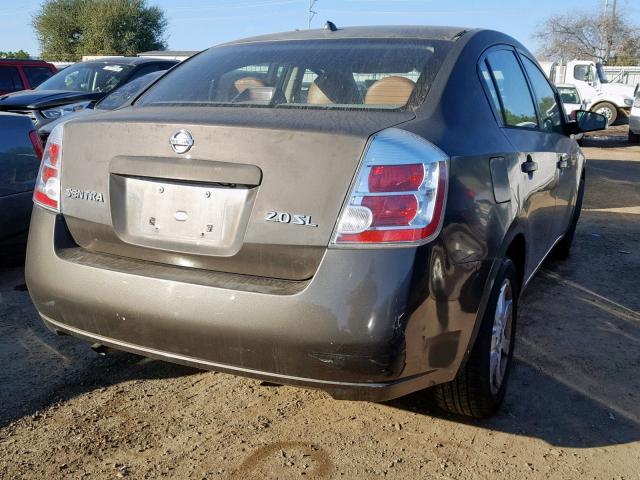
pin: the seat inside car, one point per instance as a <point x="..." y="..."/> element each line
<point x="390" y="91"/>
<point x="243" y="83"/>
<point x="334" y="88"/>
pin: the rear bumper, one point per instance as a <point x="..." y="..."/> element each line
<point x="372" y="391"/>
<point x="370" y="325"/>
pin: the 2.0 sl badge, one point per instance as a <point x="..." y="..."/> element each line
<point x="294" y="219"/>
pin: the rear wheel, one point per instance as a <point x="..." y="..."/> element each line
<point x="607" y="109"/>
<point x="562" y="250"/>
<point x="479" y="388"/>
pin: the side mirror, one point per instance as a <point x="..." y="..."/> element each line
<point x="586" y="121"/>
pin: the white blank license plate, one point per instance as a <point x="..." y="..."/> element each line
<point x="180" y="212"/>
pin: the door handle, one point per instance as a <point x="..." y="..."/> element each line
<point x="529" y="166"/>
<point x="563" y="162"/>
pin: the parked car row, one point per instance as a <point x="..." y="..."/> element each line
<point x="118" y="98"/>
<point x="78" y="87"/>
<point x="30" y="115"/>
<point x="384" y="195"/>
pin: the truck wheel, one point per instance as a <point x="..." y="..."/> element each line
<point x="480" y="386"/>
<point x="563" y="248"/>
<point x="634" y="137"/>
<point x="607" y="109"/>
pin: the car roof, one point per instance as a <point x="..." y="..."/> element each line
<point x="127" y="60"/>
<point x="25" y="61"/>
<point x="422" y="32"/>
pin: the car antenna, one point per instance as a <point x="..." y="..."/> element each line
<point x="329" y="25"/>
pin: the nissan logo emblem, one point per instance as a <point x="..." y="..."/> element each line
<point x="181" y="141"/>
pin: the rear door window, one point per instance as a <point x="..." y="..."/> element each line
<point x="548" y="108"/>
<point x="37" y="75"/>
<point x="517" y="105"/>
<point x="488" y="81"/>
<point x="10" y="80"/>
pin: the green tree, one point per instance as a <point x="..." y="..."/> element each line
<point x="69" y="29"/>
<point x="17" y="54"/>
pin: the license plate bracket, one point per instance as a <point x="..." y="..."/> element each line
<point x="181" y="216"/>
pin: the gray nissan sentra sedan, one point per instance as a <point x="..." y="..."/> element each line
<point x="356" y="210"/>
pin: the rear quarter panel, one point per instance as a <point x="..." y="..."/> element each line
<point x="458" y="118"/>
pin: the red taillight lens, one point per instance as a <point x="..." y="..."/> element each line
<point x="395" y="210"/>
<point x="36" y="141"/>
<point x="396" y="178"/>
<point x="399" y="192"/>
<point x="53" y="149"/>
<point x="47" y="189"/>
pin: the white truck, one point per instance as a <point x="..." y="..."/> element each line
<point x="604" y="97"/>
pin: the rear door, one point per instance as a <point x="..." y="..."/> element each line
<point x="537" y="177"/>
<point x="552" y="123"/>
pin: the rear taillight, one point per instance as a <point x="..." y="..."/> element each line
<point x="398" y="195"/>
<point x="36" y="141"/>
<point x="47" y="190"/>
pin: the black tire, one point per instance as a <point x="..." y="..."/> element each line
<point x="562" y="250"/>
<point x="634" y="137"/>
<point x="471" y="393"/>
<point x="613" y="111"/>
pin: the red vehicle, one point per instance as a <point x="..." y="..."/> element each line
<point x="20" y="74"/>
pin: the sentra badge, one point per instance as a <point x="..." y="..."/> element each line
<point x="84" y="195"/>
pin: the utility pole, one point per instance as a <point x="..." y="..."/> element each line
<point x="313" y="13"/>
<point x="609" y="25"/>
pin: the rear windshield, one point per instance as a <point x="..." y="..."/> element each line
<point x="336" y="74"/>
<point x="123" y="94"/>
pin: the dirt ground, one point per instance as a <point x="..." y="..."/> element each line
<point x="572" y="410"/>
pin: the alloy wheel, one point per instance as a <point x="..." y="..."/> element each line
<point x="501" y="336"/>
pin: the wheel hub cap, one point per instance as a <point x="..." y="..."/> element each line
<point x="501" y="336"/>
<point x="605" y="111"/>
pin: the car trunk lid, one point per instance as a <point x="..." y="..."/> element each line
<point x="258" y="193"/>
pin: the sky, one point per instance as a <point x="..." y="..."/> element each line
<point x="199" y="24"/>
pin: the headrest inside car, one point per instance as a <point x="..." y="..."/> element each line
<point x="390" y="91"/>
